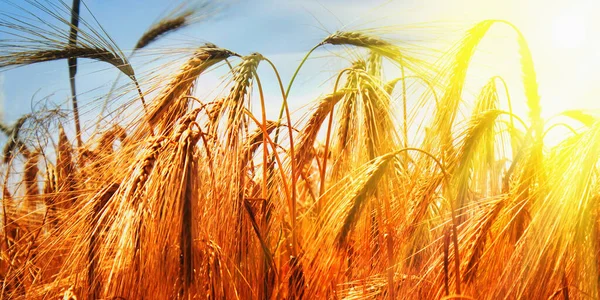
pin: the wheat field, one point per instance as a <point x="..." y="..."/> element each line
<point x="382" y="188"/>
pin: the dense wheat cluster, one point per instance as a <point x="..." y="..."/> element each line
<point x="362" y="196"/>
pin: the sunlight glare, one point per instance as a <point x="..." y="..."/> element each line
<point x="569" y="31"/>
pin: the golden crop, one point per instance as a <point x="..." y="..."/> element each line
<point x="208" y="198"/>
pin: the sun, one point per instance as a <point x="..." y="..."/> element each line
<point x="569" y="31"/>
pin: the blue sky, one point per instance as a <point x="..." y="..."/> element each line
<point x="285" y="30"/>
<point x="267" y="27"/>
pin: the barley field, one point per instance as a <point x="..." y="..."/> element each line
<point x="383" y="187"/>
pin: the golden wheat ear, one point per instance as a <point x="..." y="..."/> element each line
<point x="367" y="186"/>
<point x="96" y="53"/>
<point x="172" y="102"/>
<point x="32" y="190"/>
<point x="348" y="116"/>
<point x="243" y="76"/>
<point x="163" y="27"/>
<point x="355" y="38"/>
<point x="581" y="116"/>
<point x="305" y="150"/>
<point x="32" y="42"/>
<point x="182" y="16"/>
<point x="380" y="47"/>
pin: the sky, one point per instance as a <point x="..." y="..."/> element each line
<point x="562" y="36"/>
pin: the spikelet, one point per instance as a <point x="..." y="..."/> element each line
<point x="65" y="170"/>
<point x="163" y="27"/>
<point x="242" y="79"/>
<point x="581" y="116"/>
<point x="480" y="125"/>
<point x="425" y="193"/>
<point x="374" y="66"/>
<point x="305" y="150"/>
<point x="32" y="190"/>
<point x="380" y="47"/>
<point x="26" y="58"/>
<point x="530" y="84"/>
<point x="236" y="99"/>
<point x="347" y="126"/>
<point x="50" y="193"/>
<point x="379" y="126"/>
<point x="478" y="241"/>
<point x="368" y="183"/>
<point x="180" y="17"/>
<point x="356" y="39"/>
<point x="171" y="104"/>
